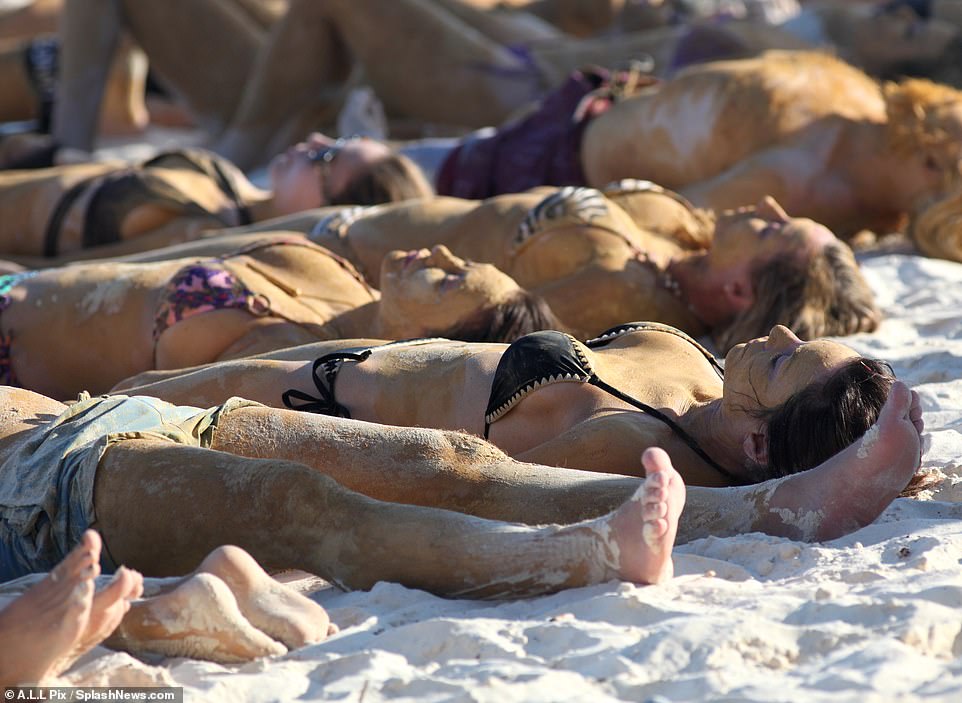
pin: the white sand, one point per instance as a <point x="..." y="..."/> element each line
<point x="876" y="616"/>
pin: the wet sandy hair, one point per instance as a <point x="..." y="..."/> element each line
<point x="389" y="180"/>
<point x="821" y="295"/>
<point x="937" y="228"/>
<point x="519" y="314"/>
<point x="916" y="119"/>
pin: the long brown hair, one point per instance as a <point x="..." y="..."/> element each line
<point x="518" y="315"/>
<point x="388" y="180"/>
<point x="821" y="295"/>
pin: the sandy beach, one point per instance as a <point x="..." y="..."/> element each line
<point x="870" y="617"/>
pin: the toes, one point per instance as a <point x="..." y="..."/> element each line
<point x="654" y="511"/>
<point x="897" y="404"/>
<point x="123" y="586"/>
<point x="655" y="460"/>
<point x="79" y="559"/>
<point x="654" y="531"/>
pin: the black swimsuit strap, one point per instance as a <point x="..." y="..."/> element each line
<point x="51" y="236"/>
<point x="674" y="426"/>
<point x="325" y="403"/>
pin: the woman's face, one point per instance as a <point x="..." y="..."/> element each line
<point x="310" y="173"/>
<point x="428" y="292"/>
<point x="760" y="233"/>
<point x="764" y="373"/>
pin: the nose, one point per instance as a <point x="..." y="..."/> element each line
<point x="441" y="255"/>
<point x="781" y="339"/>
<point x="317" y="139"/>
<point x="769" y="209"/>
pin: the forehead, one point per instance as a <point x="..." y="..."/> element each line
<point x="809" y="363"/>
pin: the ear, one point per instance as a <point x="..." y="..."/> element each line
<point x="737" y="292"/>
<point x="755" y="446"/>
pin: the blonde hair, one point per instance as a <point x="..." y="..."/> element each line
<point x="818" y="296"/>
<point x="937" y="229"/>
<point x="914" y="113"/>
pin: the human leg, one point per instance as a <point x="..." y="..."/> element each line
<point x="287" y="515"/>
<point x="394" y="40"/>
<point x="89" y="34"/>
<point x="175" y="35"/>
<point x="44" y="630"/>
<point x="461" y="472"/>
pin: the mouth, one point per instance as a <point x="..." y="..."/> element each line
<point x="414" y="256"/>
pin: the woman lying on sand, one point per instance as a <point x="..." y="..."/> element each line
<point x="818" y="135"/>
<point x="780" y="406"/>
<point x="90" y="325"/>
<point x="107" y="209"/>
<point x="226" y="610"/>
<point x="637" y="251"/>
<point x="164" y="484"/>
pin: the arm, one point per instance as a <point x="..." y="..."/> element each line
<point x="749" y="181"/>
<point x="609" y="444"/>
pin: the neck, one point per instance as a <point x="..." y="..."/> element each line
<point x="262" y="207"/>
<point x="871" y="171"/>
<point x="359" y="323"/>
<point x="714" y="435"/>
<point x="695" y="289"/>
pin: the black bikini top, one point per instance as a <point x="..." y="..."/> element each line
<point x="546" y="357"/>
<point x="118" y="192"/>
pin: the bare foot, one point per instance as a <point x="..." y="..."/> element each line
<point x="109" y="606"/>
<point x="852" y="488"/>
<point x="644" y="527"/>
<point x="270" y="606"/>
<point x="199" y="619"/>
<point x="45" y="629"/>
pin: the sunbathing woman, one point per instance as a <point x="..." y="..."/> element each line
<point x="60" y="326"/>
<point x="781" y="406"/>
<point x="637" y="251"/>
<point x="163" y="483"/>
<point x="227" y="610"/>
<point x="106" y="209"/>
<point x="830" y="144"/>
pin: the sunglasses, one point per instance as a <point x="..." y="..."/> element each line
<point x="327" y="154"/>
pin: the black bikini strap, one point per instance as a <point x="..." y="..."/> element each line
<point x="227" y="187"/>
<point x="325" y="404"/>
<point x="51" y="236"/>
<point x="657" y="414"/>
